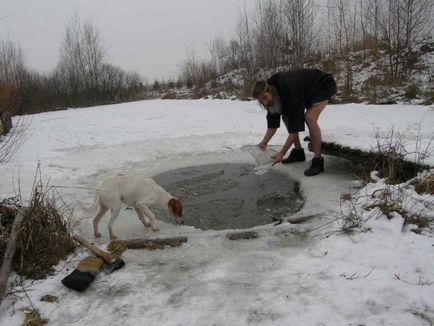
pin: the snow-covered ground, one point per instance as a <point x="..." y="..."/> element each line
<point x="292" y="274"/>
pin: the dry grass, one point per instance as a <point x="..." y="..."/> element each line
<point x="353" y="220"/>
<point x="33" y="318"/>
<point x="49" y="298"/>
<point x="388" y="208"/>
<point x="391" y="201"/>
<point x="390" y="205"/>
<point x="424" y="186"/>
<point x="43" y="237"/>
<point x="346" y="197"/>
<point x="389" y="161"/>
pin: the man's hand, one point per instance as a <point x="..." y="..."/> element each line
<point x="262" y="145"/>
<point x="276" y="158"/>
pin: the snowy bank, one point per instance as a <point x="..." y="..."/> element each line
<point x="292" y="274"/>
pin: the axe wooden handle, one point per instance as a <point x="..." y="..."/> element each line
<point x="98" y="252"/>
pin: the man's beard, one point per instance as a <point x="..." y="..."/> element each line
<point x="275" y="106"/>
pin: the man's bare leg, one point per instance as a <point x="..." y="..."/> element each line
<point x="311" y="118"/>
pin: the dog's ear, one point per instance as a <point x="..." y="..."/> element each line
<point x="175" y="207"/>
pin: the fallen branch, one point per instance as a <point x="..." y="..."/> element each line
<point x="10" y="252"/>
<point x="150" y="244"/>
<point x="355" y="275"/>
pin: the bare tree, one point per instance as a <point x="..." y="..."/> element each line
<point x="269" y="35"/>
<point x="368" y="12"/>
<point x="300" y="22"/>
<point x="8" y="107"/>
<point x="234" y="54"/>
<point x="81" y="59"/>
<point x="12" y="72"/>
<point x="190" y="70"/>
<point x="403" y="23"/>
<point x="69" y="64"/>
<point x="12" y="76"/>
<point x="244" y="39"/>
<point x="86" y="76"/>
<point x="219" y="54"/>
<point x="12" y="67"/>
<point x="195" y="71"/>
<point x="10" y="138"/>
<point x="93" y="55"/>
<point x="344" y="28"/>
<point x="371" y="12"/>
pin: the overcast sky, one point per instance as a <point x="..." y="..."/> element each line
<point x="148" y="37"/>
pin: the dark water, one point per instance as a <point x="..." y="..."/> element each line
<point x="228" y="196"/>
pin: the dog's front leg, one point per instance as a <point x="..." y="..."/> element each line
<point x="142" y="217"/>
<point x="151" y="216"/>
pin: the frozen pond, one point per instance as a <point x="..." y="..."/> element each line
<point x="230" y="196"/>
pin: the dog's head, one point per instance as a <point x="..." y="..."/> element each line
<point x="175" y="208"/>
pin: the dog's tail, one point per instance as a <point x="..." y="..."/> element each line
<point x="89" y="210"/>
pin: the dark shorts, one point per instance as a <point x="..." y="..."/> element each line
<point x="295" y="121"/>
<point x="326" y="90"/>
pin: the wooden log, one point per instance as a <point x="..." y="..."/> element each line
<point x="94" y="249"/>
<point x="10" y="252"/>
<point x="242" y="235"/>
<point x="150" y="244"/>
<point x="299" y="219"/>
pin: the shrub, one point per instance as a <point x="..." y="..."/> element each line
<point x="411" y="92"/>
<point x="169" y="96"/>
<point x="429" y="97"/>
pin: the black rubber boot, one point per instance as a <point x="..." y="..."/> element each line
<point x="316" y="166"/>
<point x="296" y="155"/>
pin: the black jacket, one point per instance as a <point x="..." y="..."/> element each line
<point x="299" y="90"/>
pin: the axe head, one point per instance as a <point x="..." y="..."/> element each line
<point x="114" y="265"/>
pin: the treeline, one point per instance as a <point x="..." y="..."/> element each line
<point x="82" y="77"/>
<point x="299" y="33"/>
<point x="274" y="35"/>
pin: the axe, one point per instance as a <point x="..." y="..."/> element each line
<point x="111" y="263"/>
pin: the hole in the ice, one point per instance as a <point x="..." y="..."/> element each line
<point x="230" y="196"/>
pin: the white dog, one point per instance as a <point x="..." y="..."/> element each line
<point x="137" y="193"/>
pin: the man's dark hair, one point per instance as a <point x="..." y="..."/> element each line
<point x="259" y="88"/>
